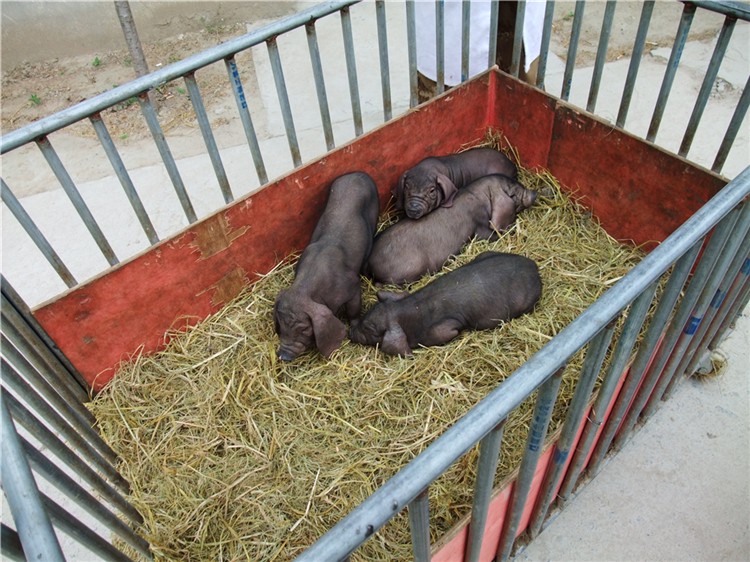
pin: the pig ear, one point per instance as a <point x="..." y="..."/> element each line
<point x="395" y="342"/>
<point x="329" y="331"/>
<point x="391" y="295"/>
<point x="448" y="188"/>
<point x="399" y="194"/>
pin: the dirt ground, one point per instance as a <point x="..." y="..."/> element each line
<point x="32" y="91"/>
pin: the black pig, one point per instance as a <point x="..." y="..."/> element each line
<point x="433" y="182"/>
<point x="327" y="273"/>
<point x="494" y="287"/>
<point x="410" y="248"/>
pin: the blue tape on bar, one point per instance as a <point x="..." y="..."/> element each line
<point x="692" y="325"/>
<point x="746" y="267"/>
<point x="560" y="456"/>
<point x="718" y="298"/>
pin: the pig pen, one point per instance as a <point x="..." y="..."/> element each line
<point x="312" y="434"/>
<point x="482" y="473"/>
<point x="131" y="308"/>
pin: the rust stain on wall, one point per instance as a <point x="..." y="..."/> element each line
<point x="215" y="235"/>
<point x="227" y="287"/>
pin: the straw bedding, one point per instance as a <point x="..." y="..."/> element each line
<point x="232" y="454"/>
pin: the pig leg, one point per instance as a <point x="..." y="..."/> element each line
<point x="442" y="332"/>
<point x="503" y="213"/>
<point x="353" y="306"/>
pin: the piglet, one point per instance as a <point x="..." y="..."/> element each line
<point x="327" y="273"/>
<point x="410" y="248"/>
<point x="434" y="181"/>
<point x="493" y="288"/>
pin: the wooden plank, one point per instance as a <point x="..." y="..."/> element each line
<point x="638" y="191"/>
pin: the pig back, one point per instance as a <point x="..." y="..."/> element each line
<point x="350" y="216"/>
<point x="474" y="163"/>
<point x="492" y="288"/>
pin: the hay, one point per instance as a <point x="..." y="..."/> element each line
<point x="232" y="454"/>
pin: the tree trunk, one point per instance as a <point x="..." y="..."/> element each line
<point x="134" y="43"/>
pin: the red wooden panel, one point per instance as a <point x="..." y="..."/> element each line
<point x="526" y="116"/>
<point x="638" y="191"/>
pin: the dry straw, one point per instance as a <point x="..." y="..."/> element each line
<point x="232" y="454"/>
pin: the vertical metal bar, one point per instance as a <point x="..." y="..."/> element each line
<point x="75" y="197"/>
<point x="601" y="54"/>
<point x="440" y="44"/>
<point x="51" y="442"/>
<point x="645" y="351"/>
<point x="465" y="38"/>
<point x="419" y="522"/>
<point x="122" y="174"/>
<point x="36" y="235"/>
<point x="597" y="350"/>
<point x="208" y="138"/>
<point x="32" y="522"/>
<point x="701" y="316"/>
<point x="537" y="433"/>
<point x="489" y="454"/>
<point x="247" y="122"/>
<point x="722" y="302"/>
<point x="58" y="424"/>
<point x="708" y="84"/>
<point x="655" y="381"/>
<point x="515" y="59"/>
<point x="737" y="306"/>
<point x="674" y="60"/>
<point x="351" y="69"/>
<point x="635" y="61"/>
<point x="494" y="23"/>
<point x="411" y="44"/>
<point x="575" y="34"/>
<point x="385" y="72"/>
<point x="81" y="533"/>
<point x="734" y="127"/>
<point x="149" y="114"/>
<point x="549" y="12"/>
<point x="30" y="329"/>
<point x="320" y="86"/>
<point x="73" y="411"/>
<point x="76" y="493"/>
<point x="10" y="544"/>
<point x="620" y="358"/>
<point x="286" y="108"/>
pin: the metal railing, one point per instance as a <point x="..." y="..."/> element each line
<point x="42" y="392"/>
<point x="39" y="133"/>
<point x="44" y="395"/>
<point x="724" y="263"/>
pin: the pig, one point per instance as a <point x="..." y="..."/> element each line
<point x="327" y="275"/>
<point x="492" y="288"/>
<point x="434" y="181"/>
<point x="410" y="248"/>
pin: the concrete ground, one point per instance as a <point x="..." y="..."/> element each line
<point x="679" y="489"/>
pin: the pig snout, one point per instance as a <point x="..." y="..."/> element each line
<point x="285" y="354"/>
<point x="415" y="208"/>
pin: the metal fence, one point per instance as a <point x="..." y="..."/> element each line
<point x="43" y="394"/>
